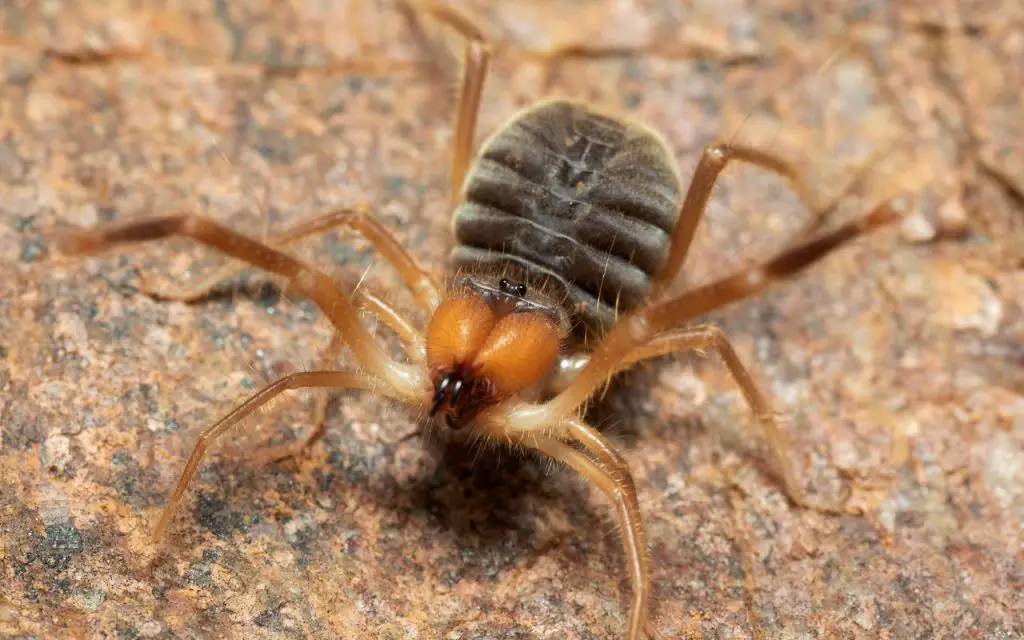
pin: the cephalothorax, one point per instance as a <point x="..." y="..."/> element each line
<point x="570" y="225"/>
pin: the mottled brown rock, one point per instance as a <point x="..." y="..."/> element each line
<point x="898" y="362"/>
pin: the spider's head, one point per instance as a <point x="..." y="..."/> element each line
<point x="484" y="347"/>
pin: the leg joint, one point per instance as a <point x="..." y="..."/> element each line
<point x="717" y="154"/>
<point x="362" y="214"/>
<point x="715" y="336"/>
<point x="638" y="328"/>
<point x="190" y="224"/>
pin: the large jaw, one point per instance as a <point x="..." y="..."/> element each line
<point x="459" y="394"/>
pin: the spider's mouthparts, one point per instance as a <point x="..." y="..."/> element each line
<point x="458" y="394"/>
<point x="448" y="391"/>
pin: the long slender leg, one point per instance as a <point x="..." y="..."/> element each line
<point x="779" y="444"/>
<point x="359" y="219"/>
<point x="415" y="348"/>
<point x="712" y="162"/>
<point x="640" y="326"/>
<point x="308" y="379"/>
<point x="408" y="380"/>
<point x="611" y="458"/>
<point x="613" y="478"/>
<point x="476" y="57"/>
<point x="821" y="215"/>
<point x="294" y="448"/>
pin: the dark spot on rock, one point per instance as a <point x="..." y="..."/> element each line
<point x="269" y="295"/>
<point x="902" y="584"/>
<point x="22" y="224"/>
<point x="509" y="633"/>
<point x="341" y="250"/>
<point x="60" y="585"/>
<point x="150" y="394"/>
<point x="395" y="184"/>
<point x="270" y="619"/>
<point x="829" y="570"/>
<point x="62" y="542"/>
<point x="199" y="574"/>
<point x="275" y="146"/>
<point x="132" y="481"/>
<point x="22" y="423"/>
<point x="658" y="478"/>
<point x="324" y="480"/>
<point x="303" y="538"/>
<point x="125" y="631"/>
<point x="19" y="74"/>
<point x="213" y="514"/>
<point x="450" y="577"/>
<point x="859" y="530"/>
<point x="171" y="165"/>
<point x="709" y="109"/>
<point x="704" y="67"/>
<point x="31" y="249"/>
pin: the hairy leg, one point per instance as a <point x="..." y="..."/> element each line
<point x="611" y="475"/>
<point x="476" y="57"/>
<point x="305" y="380"/>
<point x="712" y="163"/>
<point x="415" y="348"/>
<point x="779" y="445"/>
<point x="412" y="339"/>
<point x="359" y="219"/>
<point x="293" y="449"/>
<point x="609" y="471"/>
<point x="407" y="379"/>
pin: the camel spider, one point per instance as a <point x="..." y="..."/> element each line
<point x="570" y="226"/>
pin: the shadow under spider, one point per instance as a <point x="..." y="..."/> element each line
<point x="489" y="511"/>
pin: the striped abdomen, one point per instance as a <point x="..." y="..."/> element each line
<point x="573" y="201"/>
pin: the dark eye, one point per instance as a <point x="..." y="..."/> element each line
<point x="518" y="289"/>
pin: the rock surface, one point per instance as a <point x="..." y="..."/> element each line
<point x="898" y="362"/>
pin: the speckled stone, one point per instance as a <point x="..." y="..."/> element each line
<point x="897" y="363"/>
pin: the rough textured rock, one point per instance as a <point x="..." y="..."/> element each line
<point x="898" y="362"/>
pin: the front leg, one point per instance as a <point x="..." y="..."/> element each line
<point x="612" y="476"/>
<point x="360" y="220"/>
<point x="415" y="349"/>
<point x="409" y="380"/>
<point x="303" y="380"/>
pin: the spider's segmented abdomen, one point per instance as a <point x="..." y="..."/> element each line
<point x="575" y="201"/>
